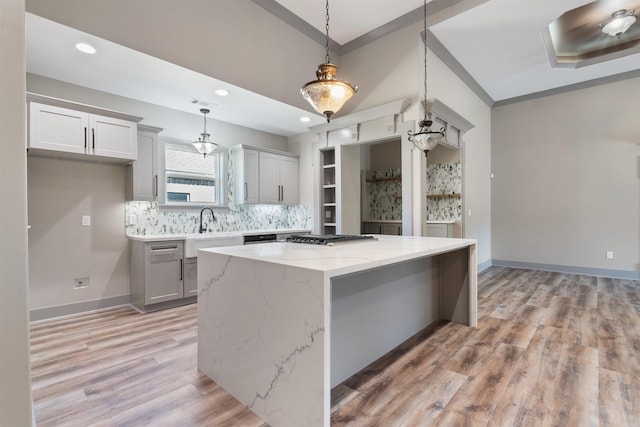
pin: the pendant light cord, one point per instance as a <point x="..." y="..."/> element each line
<point x="327" y="59"/>
<point x="425" y="60"/>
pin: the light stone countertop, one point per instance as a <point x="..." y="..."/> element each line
<point x="183" y="236"/>
<point x="348" y="257"/>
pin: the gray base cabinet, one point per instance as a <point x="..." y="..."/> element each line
<point x="390" y="228"/>
<point x="191" y="277"/>
<point x="158" y="275"/>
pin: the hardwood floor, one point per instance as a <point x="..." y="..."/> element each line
<point x="550" y="349"/>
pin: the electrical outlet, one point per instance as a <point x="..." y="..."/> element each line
<point x="81" y="282"/>
<point x="609" y="254"/>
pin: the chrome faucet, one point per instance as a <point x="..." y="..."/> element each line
<point x="203" y="228"/>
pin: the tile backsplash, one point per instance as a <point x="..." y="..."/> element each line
<point x="444" y="179"/>
<point x="148" y="218"/>
<point x="385" y="195"/>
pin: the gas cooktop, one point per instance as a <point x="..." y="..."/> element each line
<point x="329" y="239"/>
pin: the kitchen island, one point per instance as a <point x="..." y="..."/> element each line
<point x="280" y="324"/>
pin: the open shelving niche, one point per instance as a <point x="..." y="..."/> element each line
<point x="329" y="205"/>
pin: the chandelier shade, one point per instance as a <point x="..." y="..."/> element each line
<point x="327" y="95"/>
<point x="204" y="145"/>
<point x="620" y="22"/>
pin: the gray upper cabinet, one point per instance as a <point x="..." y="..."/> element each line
<point x="81" y="132"/>
<point x="142" y="175"/>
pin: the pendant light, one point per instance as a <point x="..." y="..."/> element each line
<point x="203" y="144"/>
<point x="426" y="139"/>
<point x="620" y="22"/>
<point x="327" y="95"/>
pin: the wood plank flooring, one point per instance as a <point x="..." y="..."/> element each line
<point x="550" y="349"/>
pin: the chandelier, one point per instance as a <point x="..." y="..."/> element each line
<point x="327" y="95"/>
<point x="426" y="139"/>
<point x="620" y="22"/>
<point x="203" y="144"/>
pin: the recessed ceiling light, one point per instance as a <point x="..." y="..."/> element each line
<point x="221" y="92"/>
<point x="305" y="119"/>
<point x="86" y="48"/>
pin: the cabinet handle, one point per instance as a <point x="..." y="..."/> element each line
<point x="181" y="269"/>
<point x="85" y="137"/>
<point x="281" y="192"/>
<point x="155" y="186"/>
<point x="246" y="192"/>
<point x="380" y="229"/>
<point x="93" y="138"/>
<point x="165" y="249"/>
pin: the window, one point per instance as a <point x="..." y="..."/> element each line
<point x="192" y="178"/>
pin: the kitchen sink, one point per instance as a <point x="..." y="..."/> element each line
<point x="201" y="241"/>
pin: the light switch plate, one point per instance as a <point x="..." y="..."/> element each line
<point x="86" y="220"/>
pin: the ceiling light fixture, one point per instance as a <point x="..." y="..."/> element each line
<point x="86" y="48"/>
<point x="305" y="119"/>
<point x="426" y="139"/>
<point x="203" y="144"/>
<point x="327" y="95"/>
<point x="620" y="22"/>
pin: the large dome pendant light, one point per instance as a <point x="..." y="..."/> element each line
<point x="326" y="94"/>
<point x="203" y="144"/>
<point x="426" y="139"/>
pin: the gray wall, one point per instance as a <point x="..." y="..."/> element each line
<point x="567" y="187"/>
<point x="15" y="385"/>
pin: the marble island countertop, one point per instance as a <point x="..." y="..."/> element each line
<point x="281" y="324"/>
<point x="183" y="236"/>
<point x="349" y="257"/>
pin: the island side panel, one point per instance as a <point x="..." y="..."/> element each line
<point x="261" y="336"/>
<point x="374" y="311"/>
<point x="458" y="286"/>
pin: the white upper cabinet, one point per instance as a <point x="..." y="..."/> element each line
<point x="113" y="137"/>
<point x="265" y="176"/>
<point x="269" y="178"/>
<point x="289" y="180"/>
<point x="245" y="162"/>
<point x="81" y="134"/>
<point x="279" y="179"/>
<point x="58" y="129"/>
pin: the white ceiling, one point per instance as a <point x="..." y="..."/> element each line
<point x="499" y="43"/>
<point x="122" y="71"/>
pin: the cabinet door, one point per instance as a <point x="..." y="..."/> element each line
<point x="58" y="129"/>
<point x="113" y="137"/>
<point x="191" y="277"/>
<point x="269" y="178"/>
<point x="145" y="169"/>
<point x="437" y="230"/>
<point x="163" y="272"/>
<point x="371" y="228"/>
<point x="289" y="180"/>
<point x="392" y="229"/>
<point x="251" y="176"/>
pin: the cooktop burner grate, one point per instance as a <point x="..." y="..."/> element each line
<point x="328" y="239"/>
